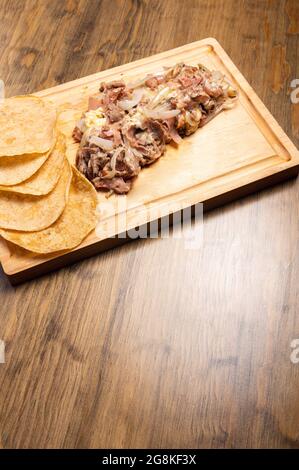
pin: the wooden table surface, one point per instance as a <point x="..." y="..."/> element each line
<point x="152" y="345"/>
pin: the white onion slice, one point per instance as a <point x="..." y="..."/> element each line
<point x="159" y="97"/>
<point x="217" y="75"/>
<point x="129" y="104"/>
<point x="136" y="152"/>
<point x="110" y="174"/>
<point x="175" y="136"/>
<point x="228" y="105"/>
<point x="161" y="113"/>
<point x="129" y="156"/>
<point x="85" y="136"/>
<point x="159" y="73"/>
<point x="104" y="144"/>
<point x="81" y="125"/>
<point x="138" y="83"/>
<point x="113" y="159"/>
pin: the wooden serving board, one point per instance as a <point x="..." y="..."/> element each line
<point x="240" y="151"/>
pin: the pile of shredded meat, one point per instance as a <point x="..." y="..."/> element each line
<point x="127" y="126"/>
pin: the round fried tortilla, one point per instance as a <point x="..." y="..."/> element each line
<point x="21" y="167"/>
<point x="32" y="213"/>
<point x="75" y="223"/>
<point x="27" y="126"/>
<point x="45" y="179"/>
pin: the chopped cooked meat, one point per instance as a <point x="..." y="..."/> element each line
<point x="117" y="184"/>
<point x="131" y="164"/>
<point x="111" y="132"/>
<point x="110" y="94"/>
<point x="94" y="102"/>
<point x="113" y="91"/>
<point x="149" y="140"/>
<point x="77" y="134"/>
<point x="111" y="85"/>
<point x="152" y="83"/>
<point x="122" y="163"/>
<point x="128" y="128"/>
<point x="173" y="72"/>
<point x="82" y="158"/>
<point x="127" y="164"/>
<point x="212" y="89"/>
<point x="96" y="163"/>
<point x="114" y="112"/>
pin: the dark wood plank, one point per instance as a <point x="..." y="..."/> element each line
<point x="153" y="345"/>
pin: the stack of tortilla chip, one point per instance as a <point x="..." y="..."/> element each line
<point x="46" y="205"/>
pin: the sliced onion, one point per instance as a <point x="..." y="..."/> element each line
<point x="228" y="105"/>
<point x="159" y="97"/>
<point x="129" y="156"/>
<point x="132" y="160"/>
<point x="136" y="152"/>
<point x="139" y="83"/>
<point x="217" y="75"/>
<point x="81" y="125"/>
<point x="159" y="73"/>
<point x="104" y="144"/>
<point x="110" y="174"/>
<point x="161" y="113"/>
<point x="129" y="104"/>
<point x="85" y="136"/>
<point x="113" y="159"/>
<point x="175" y="136"/>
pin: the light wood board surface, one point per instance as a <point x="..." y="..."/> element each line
<point x="241" y="147"/>
<point x="150" y="344"/>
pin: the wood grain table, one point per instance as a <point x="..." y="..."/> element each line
<point x="154" y="345"/>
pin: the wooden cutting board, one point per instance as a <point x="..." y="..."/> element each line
<point x="240" y="151"/>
